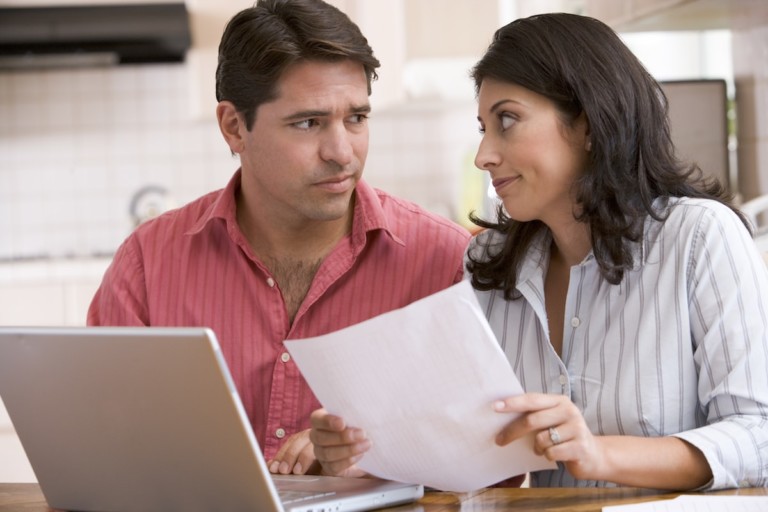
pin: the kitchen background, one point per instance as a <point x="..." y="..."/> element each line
<point x="87" y="152"/>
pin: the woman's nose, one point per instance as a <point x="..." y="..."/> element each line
<point x="486" y="156"/>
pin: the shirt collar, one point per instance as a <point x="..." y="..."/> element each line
<point x="223" y="207"/>
<point x="369" y="214"/>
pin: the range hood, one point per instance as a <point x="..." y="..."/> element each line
<point x="93" y="34"/>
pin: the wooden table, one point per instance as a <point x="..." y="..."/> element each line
<point x="28" y="498"/>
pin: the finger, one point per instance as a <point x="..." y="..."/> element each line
<point x="333" y="438"/>
<point x="338" y="453"/>
<point x="305" y="460"/>
<point x="322" y="420"/>
<point x="549" y="438"/>
<point x="288" y="454"/>
<point x="536" y="422"/>
<point x="344" y="467"/>
<point x="527" y="402"/>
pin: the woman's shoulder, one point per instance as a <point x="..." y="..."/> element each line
<point x="700" y="222"/>
<point x="699" y="211"/>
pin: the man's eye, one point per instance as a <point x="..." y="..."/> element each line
<point x="305" y="124"/>
<point x="359" y="118"/>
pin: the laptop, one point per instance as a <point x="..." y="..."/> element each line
<point x="148" y="419"/>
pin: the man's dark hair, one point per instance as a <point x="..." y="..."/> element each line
<point x="260" y="42"/>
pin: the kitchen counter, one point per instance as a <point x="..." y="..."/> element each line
<point x="49" y="291"/>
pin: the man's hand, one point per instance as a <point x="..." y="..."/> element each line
<point x="337" y="447"/>
<point x="295" y="456"/>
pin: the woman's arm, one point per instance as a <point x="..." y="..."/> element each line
<point x="659" y="463"/>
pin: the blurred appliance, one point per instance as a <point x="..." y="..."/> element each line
<point x="80" y="35"/>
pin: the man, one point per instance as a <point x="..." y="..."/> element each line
<point x="296" y="245"/>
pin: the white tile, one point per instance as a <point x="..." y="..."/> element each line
<point x="60" y="115"/>
<point x="6" y="126"/>
<point x="36" y="304"/>
<point x="90" y="81"/>
<point x="60" y="85"/>
<point x="122" y="80"/>
<point x="28" y="115"/>
<point x="6" y="86"/>
<point x="28" y="86"/>
<point x="93" y="113"/>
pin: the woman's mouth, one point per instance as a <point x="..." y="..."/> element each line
<point x="499" y="183"/>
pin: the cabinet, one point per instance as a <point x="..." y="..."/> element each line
<point x="661" y="15"/>
<point x="46" y="292"/>
<point x="14" y="466"/>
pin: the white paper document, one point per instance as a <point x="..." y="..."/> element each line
<point x="421" y="382"/>
<point x="698" y="503"/>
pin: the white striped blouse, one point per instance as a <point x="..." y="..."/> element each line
<point x="679" y="347"/>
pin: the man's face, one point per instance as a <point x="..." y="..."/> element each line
<point x="306" y="150"/>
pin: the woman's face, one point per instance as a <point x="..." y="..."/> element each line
<point x="532" y="156"/>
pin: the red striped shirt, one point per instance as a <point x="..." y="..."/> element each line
<point x="193" y="267"/>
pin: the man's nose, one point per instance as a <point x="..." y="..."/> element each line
<point x="337" y="146"/>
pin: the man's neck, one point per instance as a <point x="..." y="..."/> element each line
<point x="311" y="241"/>
<point x="292" y="253"/>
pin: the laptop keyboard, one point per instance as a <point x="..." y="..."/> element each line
<point x="296" y="496"/>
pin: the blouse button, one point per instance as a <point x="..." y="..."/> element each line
<point x="285" y="357"/>
<point x="280" y="433"/>
<point x="575" y="322"/>
<point x="271" y="282"/>
<point x="563" y="380"/>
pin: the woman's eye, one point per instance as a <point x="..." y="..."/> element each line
<point x="506" y="120"/>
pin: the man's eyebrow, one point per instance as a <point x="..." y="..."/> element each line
<point x="308" y="114"/>
<point x="361" y="109"/>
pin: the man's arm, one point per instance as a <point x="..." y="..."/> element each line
<point x="121" y="299"/>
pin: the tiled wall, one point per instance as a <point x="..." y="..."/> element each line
<point x="76" y="145"/>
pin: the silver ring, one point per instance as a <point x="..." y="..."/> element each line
<point x="554" y="435"/>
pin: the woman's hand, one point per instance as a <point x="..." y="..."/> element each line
<point x="337" y="447"/>
<point x="561" y="434"/>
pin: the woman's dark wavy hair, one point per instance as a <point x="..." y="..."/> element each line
<point x="260" y="42"/>
<point x="581" y="65"/>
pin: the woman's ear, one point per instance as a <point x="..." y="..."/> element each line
<point x="587" y="135"/>
<point x="231" y="126"/>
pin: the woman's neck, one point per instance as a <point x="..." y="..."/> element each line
<point x="572" y="242"/>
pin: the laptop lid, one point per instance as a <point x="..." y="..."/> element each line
<point x="136" y="418"/>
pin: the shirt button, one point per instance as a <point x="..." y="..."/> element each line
<point x="280" y="433"/>
<point x="563" y="380"/>
<point x="575" y="322"/>
<point x="285" y="357"/>
<point x="271" y="282"/>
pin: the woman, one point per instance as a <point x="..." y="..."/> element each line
<point x="625" y="291"/>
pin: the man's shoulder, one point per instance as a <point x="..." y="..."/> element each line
<point x="182" y="219"/>
<point x="403" y="211"/>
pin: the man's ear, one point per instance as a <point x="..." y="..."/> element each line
<point x="232" y="126"/>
